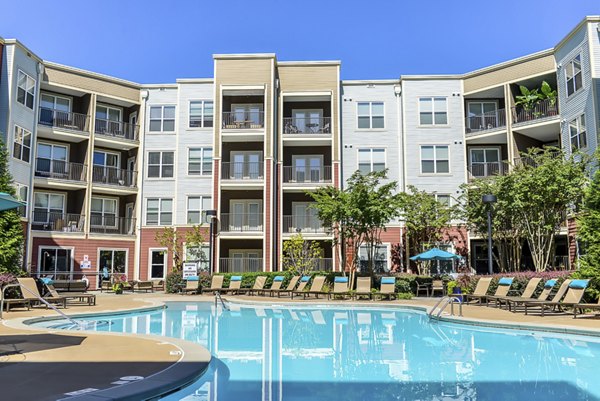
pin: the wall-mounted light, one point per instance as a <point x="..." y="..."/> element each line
<point x="397" y="90"/>
<point x="558" y="66"/>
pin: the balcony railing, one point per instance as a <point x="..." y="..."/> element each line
<point x="64" y="119"/>
<point x="486" y="122"/>
<point x="546" y="108"/>
<point x="241" y="222"/>
<point x="240" y="265"/>
<point x="44" y="220"/>
<point x="302" y="224"/>
<point x="479" y="170"/>
<point x="319" y="264"/>
<point x="112" y="225"/>
<point x="306" y="125"/>
<point x="60" y="169"/>
<point x="243" y="120"/>
<point x="529" y="161"/>
<point x="114" y="176"/>
<point x="302" y="175"/>
<point x="242" y="170"/>
<point x="117" y="129"/>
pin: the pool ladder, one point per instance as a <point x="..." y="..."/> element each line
<point x="219" y="298"/>
<point x="442" y="304"/>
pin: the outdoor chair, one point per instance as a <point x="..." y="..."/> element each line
<point x="575" y="291"/>
<point x="363" y="287"/>
<point x="438" y="285"/>
<point x="316" y="288"/>
<point x="191" y="285"/>
<point x="289" y="289"/>
<point x="387" y="288"/>
<point x="275" y="285"/>
<point x="527" y="292"/>
<point x="30" y="292"/>
<point x="15" y="301"/>
<point x="303" y="283"/>
<point x="502" y="290"/>
<point x="340" y="288"/>
<point x="235" y="285"/>
<point x="158" y="285"/>
<point x="582" y="307"/>
<point x="480" y="291"/>
<point x="143" y="286"/>
<point x="514" y="302"/>
<point x="89" y="299"/>
<point x="423" y="287"/>
<point x="258" y="286"/>
<point x="216" y="284"/>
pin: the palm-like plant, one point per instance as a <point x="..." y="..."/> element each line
<point x="548" y="93"/>
<point x="528" y="99"/>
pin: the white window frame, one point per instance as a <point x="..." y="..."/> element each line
<point x="68" y="98"/>
<point x="433" y="111"/>
<point x="370" y="115"/>
<point x="435" y="146"/>
<point x="573" y="86"/>
<point x="28" y="78"/>
<point x="64" y="248"/>
<point x="484" y="149"/>
<point x="388" y="253"/>
<point x="160" y="165"/>
<point x="358" y="151"/>
<point x="113" y="250"/>
<point x="22" y="133"/>
<point x="202" y="172"/>
<point x="581" y="129"/>
<point x="162" y="117"/>
<point x="202" y="117"/>
<point x="165" y="263"/>
<point x="105" y="198"/>
<point x="201" y="210"/>
<point x="64" y="203"/>
<point x="160" y="212"/>
<point x="25" y="208"/>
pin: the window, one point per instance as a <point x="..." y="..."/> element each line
<point x="25" y="89"/>
<point x="573" y="75"/>
<point x="22" y="144"/>
<point x="114" y="261"/>
<point x="195" y="206"/>
<point x="108" y="120"/>
<point x="158" y="260"/>
<point x="371" y="160"/>
<point x="199" y="254"/>
<point x="380" y="264"/>
<point x="433" y="111"/>
<point x="104" y="212"/>
<point x="159" y="212"/>
<point x="370" y="115"/>
<point x="578" y="133"/>
<point x="482" y="116"/>
<point x="484" y="162"/>
<point x="307" y="168"/>
<point x="435" y="159"/>
<point x="160" y="164"/>
<point x="48" y="207"/>
<point x="106" y="168"/>
<point x="444" y="199"/>
<point x="201" y="114"/>
<point x="22" y="192"/>
<point x="51" y="160"/>
<point x="162" y="118"/>
<point x="200" y="161"/>
<point x="55" y="109"/>
<point x="56" y="262"/>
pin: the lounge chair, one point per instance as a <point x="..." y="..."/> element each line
<point x="15" y="301"/>
<point x="216" y="284"/>
<point x="235" y="285"/>
<point x="480" y="291"/>
<point x="275" y="285"/>
<point x="316" y="288"/>
<point x="303" y="282"/>
<point x="258" y="286"/>
<point x="527" y="292"/>
<point x="143" y="286"/>
<point x="191" y="285"/>
<point x="363" y="287"/>
<point x="582" y="307"/>
<point x="438" y="285"/>
<point x="513" y="302"/>
<point x="158" y="285"/>
<point x="502" y="290"/>
<point x="572" y="297"/>
<point x="82" y="297"/>
<point x="289" y="289"/>
<point x="30" y="292"/>
<point x="106" y="285"/>
<point x="387" y="288"/>
<point x="340" y="287"/>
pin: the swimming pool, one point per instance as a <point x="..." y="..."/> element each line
<point x="326" y="353"/>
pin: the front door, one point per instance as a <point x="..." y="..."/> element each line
<point x="308" y="121"/>
<point x="307" y="168"/>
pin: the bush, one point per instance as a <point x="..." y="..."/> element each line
<point x="174" y="282"/>
<point x="404" y="295"/>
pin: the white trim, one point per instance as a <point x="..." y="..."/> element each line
<point x="370" y="149"/>
<point x="105" y="198"/>
<point x="64" y="205"/>
<point x="162" y="118"/>
<point x="69" y="248"/>
<point x="370" y="102"/>
<point x="202" y="148"/>
<point x="189" y="114"/>
<point x="160" y="199"/>
<point x="435" y="145"/>
<point x="55" y="96"/>
<point x="571" y="60"/>
<point x="111" y="273"/>
<point x="12" y="148"/>
<point x="35" y="90"/>
<point x="187" y="210"/>
<point x="160" y="165"/>
<point x="165" y="263"/>
<point x="433" y="124"/>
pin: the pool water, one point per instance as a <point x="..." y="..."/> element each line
<point x="324" y="353"/>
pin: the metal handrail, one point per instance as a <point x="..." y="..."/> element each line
<point x="219" y="298"/>
<point x="445" y="300"/>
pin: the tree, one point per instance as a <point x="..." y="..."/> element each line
<point x="173" y="240"/>
<point x="588" y="223"/>
<point x="300" y="256"/>
<point x="11" y="229"/>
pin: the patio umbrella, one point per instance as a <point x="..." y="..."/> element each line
<point x="8" y="202"/>
<point x="435" y="254"/>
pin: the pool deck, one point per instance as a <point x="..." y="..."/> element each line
<point x="37" y="361"/>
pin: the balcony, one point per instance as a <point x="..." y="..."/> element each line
<point x="240" y="265"/>
<point x="307" y="175"/>
<point x="115" y="177"/>
<point x="490" y="121"/>
<point x="241" y="222"/>
<point x="529" y="161"/>
<point x="481" y="170"/>
<point x="57" y="222"/>
<point x="112" y="225"/>
<point x="242" y="171"/>
<point x="546" y="109"/>
<point x="64" y="120"/>
<point x="303" y="224"/>
<point x="321" y="264"/>
<point x="243" y="120"/>
<point x="117" y="129"/>
<point x="60" y="170"/>
<point x="306" y="126"/>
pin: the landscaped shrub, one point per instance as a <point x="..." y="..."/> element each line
<point x="468" y="283"/>
<point x="404" y="295"/>
<point x="174" y="282"/>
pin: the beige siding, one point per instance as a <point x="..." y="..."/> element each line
<point x="509" y="73"/>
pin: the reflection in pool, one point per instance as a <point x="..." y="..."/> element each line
<point x="322" y="353"/>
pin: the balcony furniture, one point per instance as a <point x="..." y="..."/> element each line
<point x="423" y="287"/>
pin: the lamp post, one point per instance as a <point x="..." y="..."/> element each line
<point x="489" y="200"/>
<point x="211" y="216"/>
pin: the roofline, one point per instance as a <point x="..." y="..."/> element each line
<point x="243" y="55"/>
<point x="195" y="80"/>
<point x="17" y="42"/>
<point x="158" y="86"/>
<point x="370" y="81"/>
<point x="1" y="40"/>
<point x="309" y="62"/>
<point x="92" y="74"/>
<point x="504" y="64"/>
<point x="430" y="77"/>
<point x="583" y="22"/>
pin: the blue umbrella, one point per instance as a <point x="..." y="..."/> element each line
<point x="8" y="202"/>
<point x="435" y="254"/>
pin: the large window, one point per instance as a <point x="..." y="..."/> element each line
<point x="201" y="114"/>
<point x="104" y="212"/>
<point x="435" y="159"/>
<point x="380" y="258"/>
<point x="578" y="133"/>
<point x="199" y="254"/>
<point x="573" y="75"/>
<point x="109" y="120"/>
<point x="158" y="261"/>
<point x="370" y="115"/>
<point x="114" y="261"/>
<point x="22" y="192"/>
<point x="162" y="119"/>
<point x="51" y="160"/>
<point x="25" y="89"/>
<point x="433" y="111"/>
<point x="48" y="207"/>
<point x="159" y="212"/>
<point x="484" y="162"/>
<point x="371" y="160"/>
<point x="54" y="109"/>
<point x="56" y="262"/>
<point x="195" y="206"/>
<point x="200" y="161"/>
<point x="482" y="115"/>
<point x="22" y="144"/>
<point x="160" y="164"/>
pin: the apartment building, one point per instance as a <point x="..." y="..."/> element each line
<point x="104" y="164"/>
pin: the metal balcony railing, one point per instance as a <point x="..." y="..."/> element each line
<point x="486" y="122"/>
<point x="306" y="125"/>
<point x="240" y="265"/>
<point x="296" y="174"/>
<point x="242" y="170"/>
<point x="60" y="169"/>
<point x="64" y="119"/>
<point x="529" y="161"/>
<point x="44" y="220"/>
<point x="319" y="264"/>
<point x="243" y="120"/>
<point x="546" y="108"/>
<point x="112" y="225"/>
<point x="241" y="222"/>
<point x="114" y="176"/>
<point x="117" y="129"/>
<point x="479" y="170"/>
<point x="302" y="224"/>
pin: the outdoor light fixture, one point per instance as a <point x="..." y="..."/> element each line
<point x="489" y="200"/>
<point x="211" y="216"/>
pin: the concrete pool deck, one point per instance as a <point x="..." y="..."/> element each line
<point x="36" y="361"/>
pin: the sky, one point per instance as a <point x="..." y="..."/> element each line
<point x="153" y="41"/>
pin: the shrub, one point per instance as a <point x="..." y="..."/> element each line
<point x="404" y="295"/>
<point x="174" y="282"/>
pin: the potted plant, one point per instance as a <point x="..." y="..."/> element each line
<point x="527" y="100"/>
<point x="119" y="283"/>
<point x="552" y="96"/>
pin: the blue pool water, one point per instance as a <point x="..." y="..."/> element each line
<point x="322" y="353"/>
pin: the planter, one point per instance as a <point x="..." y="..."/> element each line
<point x="457" y="292"/>
<point x="118" y="290"/>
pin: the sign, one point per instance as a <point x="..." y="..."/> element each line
<point x="86" y="258"/>
<point x="190" y="269"/>
<point x="85" y="265"/>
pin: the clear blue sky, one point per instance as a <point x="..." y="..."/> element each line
<point x="154" y="41"/>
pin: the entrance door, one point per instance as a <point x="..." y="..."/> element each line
<point x="308" y="121"/>
<point x="133" y="119"/>
<point x="129" y="218"/>
<point x="307" y="168"/>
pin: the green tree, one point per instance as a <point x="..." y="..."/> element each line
<point x="300" y="256"/>
<point x="173" y="240"/>
<point x="11" y="229"/>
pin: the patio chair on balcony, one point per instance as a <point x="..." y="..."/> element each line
<point x="326" y="128"/>
<point x="290" y="129"/>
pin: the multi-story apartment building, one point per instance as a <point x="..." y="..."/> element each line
<point x="104" y="164"/>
